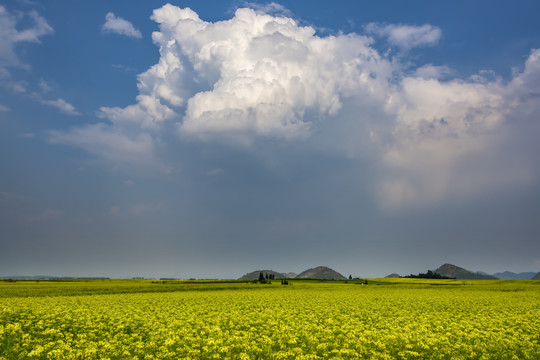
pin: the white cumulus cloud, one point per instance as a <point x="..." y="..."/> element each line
<point x="459" y="139"/>
<point x="260" y="73"/>
<point x="430" y="71"/>
<point x="117" y="25"/>
<point x="11" y="35"/>
<point x="147" y="114"/>
<point x="113" y="144"/>
<point x="407" y="36"/>
<point x="271" y="8"/>
<point x="62" y="105"/>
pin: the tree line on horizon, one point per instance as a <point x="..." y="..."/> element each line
<point x="429" y="275"/>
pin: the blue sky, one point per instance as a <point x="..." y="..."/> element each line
<point x="210" y="139"/>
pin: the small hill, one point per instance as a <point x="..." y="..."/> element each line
<point x="393" y="275"/>
<point x="290" y="275"/>
<point x="254" y="275"/>
<point x="508" y="275"/>
<point x="483" y="273"/>
<point x="536" y="277"/>
<point x="320" y="272"/>
<point x="457" y="272"/>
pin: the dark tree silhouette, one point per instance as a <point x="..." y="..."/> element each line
<point x="429" y="275"/>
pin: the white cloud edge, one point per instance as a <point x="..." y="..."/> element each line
<point x="120" y="26"/>
<point x="271" y="8"/>
<point x="62" y="105"/>
<point x="10" y="35"/>
<point x="406" y="36"/>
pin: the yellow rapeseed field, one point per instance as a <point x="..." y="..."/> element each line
<point x="306" y="320"/>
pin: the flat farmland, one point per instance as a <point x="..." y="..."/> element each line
<point x="385" y="319"/>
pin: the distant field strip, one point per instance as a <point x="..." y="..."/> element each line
<point x="308" y="320"/>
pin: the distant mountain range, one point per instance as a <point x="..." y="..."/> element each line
<point x="323" y="272"/>
<point x="448" y="270"/>
<point x="508" y="275"/>
<point x="457" y="272"/>
<point x="320" y="272"/>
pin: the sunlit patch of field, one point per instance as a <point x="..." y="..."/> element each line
<point x="385" y="319"/>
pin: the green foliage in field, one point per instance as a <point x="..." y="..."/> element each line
<point x="386" y="319"/>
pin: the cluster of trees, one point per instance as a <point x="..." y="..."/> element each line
<point x="429" y="275"/>
<point x="265" y="278"/>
